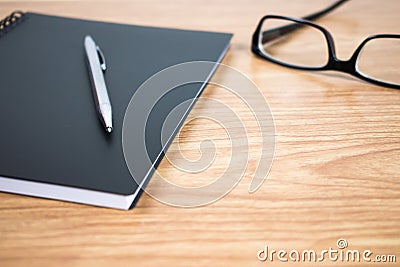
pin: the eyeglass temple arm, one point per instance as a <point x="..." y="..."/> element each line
<point x="275" y="33"/>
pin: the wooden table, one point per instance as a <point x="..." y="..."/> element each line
<point x="335" y="174"/>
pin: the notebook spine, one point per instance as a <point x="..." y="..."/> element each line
<point x="10" y="21"/>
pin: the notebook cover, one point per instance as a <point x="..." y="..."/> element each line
<point x="51" y="132"/>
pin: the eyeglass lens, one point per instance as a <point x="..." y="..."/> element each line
<point x="293" y="43"/>
<point x="380" y="60"/>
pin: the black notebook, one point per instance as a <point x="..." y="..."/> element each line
<point x="52" y="143"/>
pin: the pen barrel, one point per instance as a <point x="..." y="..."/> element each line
<point x="99" y="89"/>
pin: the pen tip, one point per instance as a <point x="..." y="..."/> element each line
<point x="109" y="129"/>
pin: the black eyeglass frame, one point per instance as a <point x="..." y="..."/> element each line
<point x="346" y="66"/>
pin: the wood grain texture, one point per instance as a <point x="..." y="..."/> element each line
<point x="335" y="174"/>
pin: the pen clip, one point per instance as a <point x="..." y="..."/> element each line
<point x="102" y="59"/>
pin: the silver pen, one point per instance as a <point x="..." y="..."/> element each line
<point x="97" y="65"/>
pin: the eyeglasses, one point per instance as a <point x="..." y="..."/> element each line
<point x="304" y="45"/>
